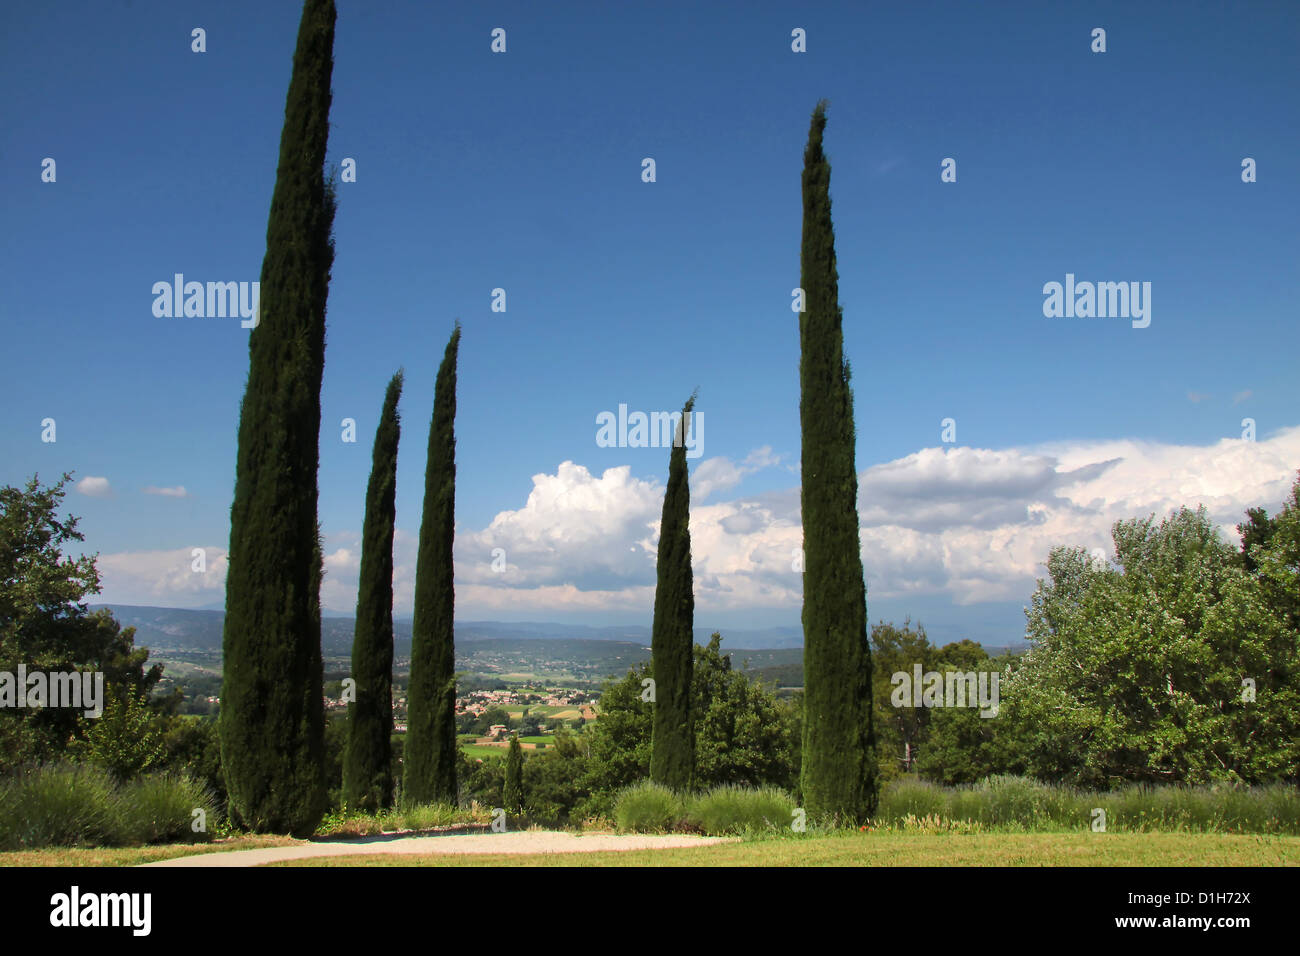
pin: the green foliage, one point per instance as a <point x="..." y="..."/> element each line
<point x="1010" y="803"/>
<point x="648" y="807"/>
<point x="427" y="816"/>
<point x="731" y="809"/>
<point x="431" y="752"/>
<point x="82" y="805"/>
<point x="513" y="794"/>
<point x="45" y="624"/>
<point x="272" y="717"/>
<point x="900" y="731"/>
<point x="839" y="769"/>
<point x="672" y="750"/>
<point x="1136" y="672"/>
<point x="368" y="764"/>
<point x="125" y="739"/>
<point x="744" y="734"/>
<point x="192" y="746"/>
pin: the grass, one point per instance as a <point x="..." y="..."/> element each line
<point x="134" y="856"/>
<point x="723" y="811"/>
<point x="426" y="817"/>
<point x="1020" y="804"/>
<point x="885" y="848"/>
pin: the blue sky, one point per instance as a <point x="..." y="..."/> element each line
<point x="522" y="171"/>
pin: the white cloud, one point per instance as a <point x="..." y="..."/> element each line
<point x="177" y="492"/>
<point x="93" y="487"/>
<point x="968" y="524"/>
<point x="165" y="578"/>
<point x="720" y="474"/>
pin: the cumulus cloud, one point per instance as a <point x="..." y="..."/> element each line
<point x="721" y="474"/>
<point x="174" y="577"/>
<point x="93" y="487"/>
<point x="177" y="492"/>
<point x="969" y="525"/>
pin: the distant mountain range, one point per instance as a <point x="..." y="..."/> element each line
<point x="188" y="629"/>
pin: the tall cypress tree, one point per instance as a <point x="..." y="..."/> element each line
<point x="272" y="719"/>
<point x="512" y="794"/>
<point x="430" y="753"/>
<point x="672" y="753"/>
<point x="368" y="762"/>
<point x="839" y="769"/>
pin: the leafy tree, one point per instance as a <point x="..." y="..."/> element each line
<point x="960" y="745"/>
<point x="46" y="625"/>
<point x="672" y="752"/>
<point x="1270" y="552"/>
<point x="368" y="766"/>
<point x="431" y="751"/>
<point x="1136" y="672"/>
<point x="900" y="731"/>
<point x="839" y="776"/>
<point x="744" y="734"/>
<point x="553" y="782"/>
<point x="126" y="739"/>
<point x="618" y="743"/>
<point x="192" y="745"/>
<point x="513" y="795"/>
<point x="272" y="716"/>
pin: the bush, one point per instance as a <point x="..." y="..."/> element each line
<point x="731" y="809"/>
<point x="57" y="805"/>
<point x="81" y="805"/>
<point x="161" y="809"/>
<point x="648" y="808"/>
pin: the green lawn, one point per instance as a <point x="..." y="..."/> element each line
<point x="906" y="849"/>
<point x="134" y="856"/>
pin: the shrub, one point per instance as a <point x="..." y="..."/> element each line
<point x="57" y="805"/>
<point x="161" y="808"/>
<point x="82" y="805"/>
<point x="647" y="808"/>
<point x="731" y="809"/>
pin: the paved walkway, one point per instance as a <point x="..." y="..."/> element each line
<point x="522" y="841"/>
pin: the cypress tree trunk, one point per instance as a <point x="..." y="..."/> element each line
<point x="672" y="753"/>
<point x="272" y="718"/>
<point x="430" y="753"/>
<point x="838" y="776"/>
<point x="513" y="793"/>
<point x="368" y="762"/>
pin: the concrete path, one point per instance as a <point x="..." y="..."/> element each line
<point x="522" y="841"/>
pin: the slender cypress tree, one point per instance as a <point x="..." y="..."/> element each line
<point x="513" y="794"/>
<point x="672" y="642"/>
<point x="368" y="762"/>
<point x="838" y="776"/>
<point x="430" y="753"/>
<point x="272" y="719"/>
